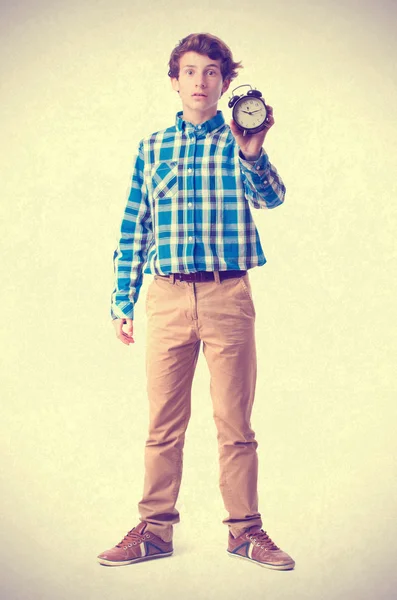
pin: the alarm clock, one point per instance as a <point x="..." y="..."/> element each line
<point x="249" y="110"/>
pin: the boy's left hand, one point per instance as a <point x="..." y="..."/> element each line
<point x="251" y="144"/>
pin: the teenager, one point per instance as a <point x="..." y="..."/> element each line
<point x="188" y="219"/>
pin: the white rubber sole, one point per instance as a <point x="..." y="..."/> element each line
<point x="110" y="563"/>
<point x="287" y="567"/>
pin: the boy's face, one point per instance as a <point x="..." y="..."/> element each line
<point x="200" y="86"/>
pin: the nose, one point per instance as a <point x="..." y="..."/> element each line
<point x="200" y="81"/>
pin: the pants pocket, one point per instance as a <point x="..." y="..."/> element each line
<point x="246" y="286"/>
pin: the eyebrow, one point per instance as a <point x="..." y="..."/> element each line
<point x="206" y="66"/>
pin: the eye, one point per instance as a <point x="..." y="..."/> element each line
<point x="211" y="72"/>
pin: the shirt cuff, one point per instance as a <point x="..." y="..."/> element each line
<point x="258" y="166"/>
<point x="125" y="312"/>
<point x="261" y="164"/>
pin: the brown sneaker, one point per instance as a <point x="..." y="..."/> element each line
<point x="139" y="544"/>
<point x="255" y="545"/>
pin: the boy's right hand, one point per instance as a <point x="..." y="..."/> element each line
<point x="124" y="336"/>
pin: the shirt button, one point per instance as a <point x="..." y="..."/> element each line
<point x="198" y="126"/>
<point x="189" y="204"/>
<point x="190" y="238"/>
<point x="265" y="182"/>
<point x="189" y="170"/>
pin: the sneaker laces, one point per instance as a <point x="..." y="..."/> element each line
<point x="132" y="537"/>
<point x="262" y="539"/>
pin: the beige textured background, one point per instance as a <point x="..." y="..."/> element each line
<point x="81" y="83"/>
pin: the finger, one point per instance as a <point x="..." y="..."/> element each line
<point x="129" y="326"/>
<point x="126" y="334"/>
<point x="269" y="121"/>
<point x="127" y="341"/>
<point x="233" y="127"/>
<point x="125" y="337"/>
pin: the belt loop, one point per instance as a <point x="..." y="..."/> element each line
<point x="216" y="276"/>
<point x="172" y="275"/>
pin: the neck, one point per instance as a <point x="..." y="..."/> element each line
<point x="198" y="117"/>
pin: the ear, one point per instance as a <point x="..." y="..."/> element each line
<point x="175" y="84"/>
<point x="225" y="86"/>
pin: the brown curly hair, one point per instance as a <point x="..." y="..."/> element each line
<point x="208" y="45"/>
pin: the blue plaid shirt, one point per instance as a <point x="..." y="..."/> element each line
<point x="188" y="208"/>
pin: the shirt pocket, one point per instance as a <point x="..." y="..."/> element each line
<point x="164" y="180"/>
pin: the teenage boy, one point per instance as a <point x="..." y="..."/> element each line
<point x="188" y="217"/>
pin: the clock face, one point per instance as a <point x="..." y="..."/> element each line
<point x="249" y="113"/>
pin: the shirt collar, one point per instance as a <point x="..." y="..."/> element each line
<point x="204" y="128"/>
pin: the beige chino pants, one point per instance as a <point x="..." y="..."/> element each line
<point x="181" y="315"/>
